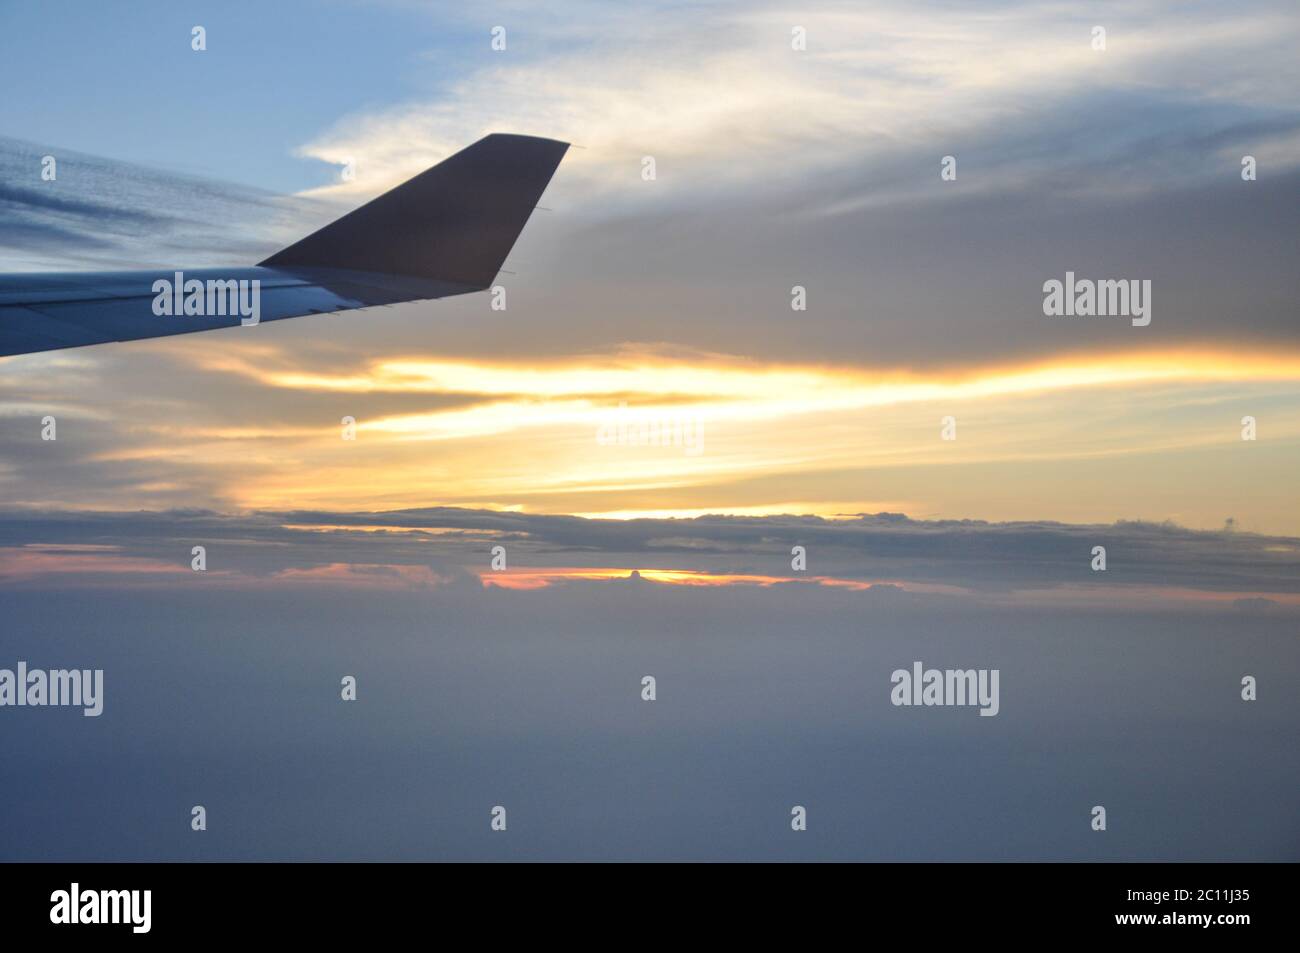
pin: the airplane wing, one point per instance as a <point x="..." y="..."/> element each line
<point x="445" y="232"/>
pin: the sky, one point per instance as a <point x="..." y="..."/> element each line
<point x="639" y="306"/>
<point x="672" y="298"/>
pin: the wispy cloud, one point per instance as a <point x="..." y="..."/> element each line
<point x="644" y="432"/>
<point x="103" y="214"/>
<point x="717" y="93"/>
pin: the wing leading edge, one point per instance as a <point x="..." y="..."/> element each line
<point x="445" y="232"/>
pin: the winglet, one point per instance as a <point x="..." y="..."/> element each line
<point x="454" y="222"/>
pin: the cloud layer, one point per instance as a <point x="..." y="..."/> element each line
<point x="1147" y="565"/>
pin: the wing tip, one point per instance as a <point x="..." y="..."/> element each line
<point x="456" y="221"/>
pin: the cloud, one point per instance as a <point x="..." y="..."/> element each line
<point x="1150" y="565"/>
<point x="240" y="421"/>
<point x="717" y="93"/>
<point x="101" y="213"/>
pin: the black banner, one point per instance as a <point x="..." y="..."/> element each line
<point x="336" y="901"/>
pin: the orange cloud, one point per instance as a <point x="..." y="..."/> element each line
<point x="541" y="577"/>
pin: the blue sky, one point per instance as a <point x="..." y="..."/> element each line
<point x="128" y="85"/>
